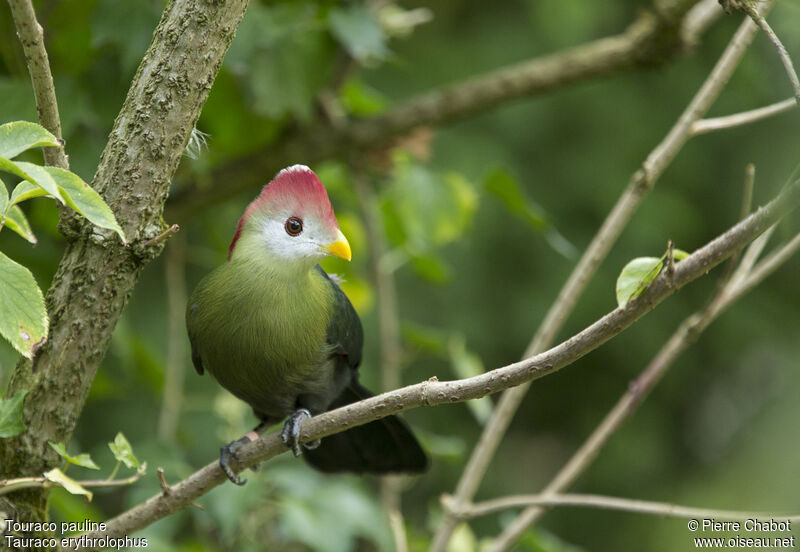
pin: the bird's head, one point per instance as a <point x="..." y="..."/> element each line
<point x="291" y="222"/>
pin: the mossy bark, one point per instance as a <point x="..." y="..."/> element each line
<point x="97" y="272"/>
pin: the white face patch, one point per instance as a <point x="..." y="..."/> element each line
<point x="307" y="245"/>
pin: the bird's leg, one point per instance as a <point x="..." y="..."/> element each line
<point x="228" y="452"/>
<point x="290" y="434"/>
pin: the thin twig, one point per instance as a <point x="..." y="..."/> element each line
<point x="11" y="485"/>
<point x="175" y="282"/>
<point x="162" y="480"/>
<point x="783" y="53"/>
<point x="432" y="392"/>
<point x="166" y="234"/>
<point x="704" y="126"/>
<point x="31" y="36"/>
<point x="621" y="504"/>
<point x="638" y="187"/>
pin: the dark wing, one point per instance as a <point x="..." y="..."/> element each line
<point x="196" y="360"/>
<point x="383" y="446"/>
<point x="344" y="330"/>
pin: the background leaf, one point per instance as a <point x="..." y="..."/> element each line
<point x="504" y="187"/>
<point x="467" y="364"/>
<point x="11" y="422"/>
<point x="23" y="318"/>
<point x="359" y="32"/>
<point x="127" y="27"/>
<point x="19" y="136"/>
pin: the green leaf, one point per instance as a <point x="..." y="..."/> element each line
<point x="361" y="99"/>
<point x="505" y="188"/>
<point x="26" y="190"/>
<point x="679" y="254"/>
<point x="123" y="452"/>
<point x="81" y="197"/>
<point x="58" y="477"/>
<point x="423" y="209"/>
<point x="3" y="197"/>
<point x="19" y="136"/>
<point x="32" y="173"/>
<point x="359" y="32"/>
<point x="424" y="338"/>
<point x="11" y="422"/>
<point x="283" y="56"/>
<point x="23" y="318"/>
<point x="635" y="277"/>
<point x="16" y="221"/>
<point x="431" y="268"/>
<point x="83" y="459"/>
<point x="126" y="26"/>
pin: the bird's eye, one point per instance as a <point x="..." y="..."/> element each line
<point x="294" y="226"/>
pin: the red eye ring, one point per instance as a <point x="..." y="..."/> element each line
<point x="294" y="226"/>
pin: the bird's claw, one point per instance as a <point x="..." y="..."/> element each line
<point x="227" y="453"/>
<point x="290" y="434"/>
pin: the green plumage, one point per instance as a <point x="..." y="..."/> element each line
<point x="282" y="342"/>
<point x="256" y="332"/>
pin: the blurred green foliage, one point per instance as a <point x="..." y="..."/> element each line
<point x="482" y="222"/>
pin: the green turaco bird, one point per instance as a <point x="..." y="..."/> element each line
<point x="276" y="331"/>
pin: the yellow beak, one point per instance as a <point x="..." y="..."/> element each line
<point x="339" y="248"/>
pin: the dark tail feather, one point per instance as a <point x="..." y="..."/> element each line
<point x="383" y="446"/>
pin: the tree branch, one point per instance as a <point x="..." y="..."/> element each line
<point x="12" y="485"/>
<point x="783" y="54"/>
<point x="655" y="37"/>
<point x="96" y="275"/>
<point x="613" y="503"/>
<point x="743" y="280"/>
<point x="434" y="392"/>
<point x="31" y="36"/>
<point x="640" y="184"/>
<point x="745" y="118"/>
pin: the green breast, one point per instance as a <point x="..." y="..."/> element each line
<point x="262" y="335"/>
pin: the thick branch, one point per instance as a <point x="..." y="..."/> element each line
<point x="31" y="36"/>
<point x="433" y="392"/>
<point x="653" y="38"/>
<point x="97" y="274"/>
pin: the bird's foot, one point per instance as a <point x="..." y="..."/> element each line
<point x="228" y="452"/>
<point x="290" y="434"/>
